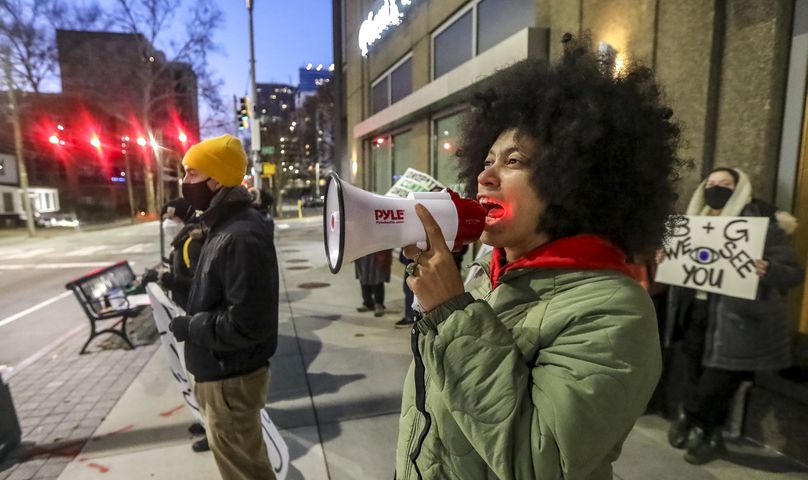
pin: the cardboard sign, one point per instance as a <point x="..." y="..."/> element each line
<point x="715" y="254"/>
<point x="164" y="310"/>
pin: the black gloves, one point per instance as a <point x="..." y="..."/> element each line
<point x="150" y="275"/>
<point x="179" y="327"/>
<point x="166" y="279"/>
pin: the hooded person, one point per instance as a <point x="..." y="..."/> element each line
<point x="725" y="339"/>
<point x="231" y="327"/>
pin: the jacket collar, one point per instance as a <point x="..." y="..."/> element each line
<point x="226" y="201"/>
<point x="579" y="252"/>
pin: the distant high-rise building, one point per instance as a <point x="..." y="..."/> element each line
<point x="275" y="100"/>
<point x="311" y="77"/>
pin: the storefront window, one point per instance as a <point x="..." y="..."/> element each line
<point x="382" y="166"/>
<point x="453" y="45"/>
<point x="499" y="19"/>
<point x="402" y="153"/>
<point x="447" y="133"/>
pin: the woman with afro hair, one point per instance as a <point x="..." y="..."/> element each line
<point x="539" y="367"/>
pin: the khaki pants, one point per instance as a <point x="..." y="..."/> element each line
<point x="232" y="411"/>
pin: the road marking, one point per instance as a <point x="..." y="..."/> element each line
<point x="56" y="266"/>
<point x="282" y="226"/>
<point x="28" y="253"/>
<point x="36" y="307"/>
<point x="86" y="251"/>
<point x="137" y="248"/>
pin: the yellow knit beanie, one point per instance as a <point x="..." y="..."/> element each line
<point x="222" y="159"/>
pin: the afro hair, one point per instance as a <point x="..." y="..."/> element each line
<point x="607" y="146"/>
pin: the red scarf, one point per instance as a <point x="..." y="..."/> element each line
<point x="580" y="252"/>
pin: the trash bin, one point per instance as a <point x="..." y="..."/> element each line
<point x="10" y="433"/>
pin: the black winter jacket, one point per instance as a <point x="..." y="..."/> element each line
<point x="179" y="279"/>
<point x="234" y="297"/>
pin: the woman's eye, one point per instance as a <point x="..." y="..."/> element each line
<point x="488" y="162"/>
<point x="513" y="161"/>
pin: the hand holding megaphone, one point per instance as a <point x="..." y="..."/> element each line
<point x="357" y="223"/>
<point x="434" y="278"/>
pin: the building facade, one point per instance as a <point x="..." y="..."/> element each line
<point x="734" y="72"/>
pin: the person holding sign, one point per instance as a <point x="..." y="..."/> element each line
<point x="726" y="338"/>
<point x="231" y="327"/>
<point x="540" y="365"/>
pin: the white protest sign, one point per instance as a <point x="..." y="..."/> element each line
<point x="164" y="310"/>
<point x="714" y="254"/>
<point x="413" y="181"/>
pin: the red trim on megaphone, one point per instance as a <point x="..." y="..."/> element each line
<point x="470" y="219"/>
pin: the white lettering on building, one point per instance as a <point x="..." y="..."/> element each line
<point x="371" y="30"/>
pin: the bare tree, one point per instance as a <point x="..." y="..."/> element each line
<point x="27" y="30"/>
<point x="154" y="21"/>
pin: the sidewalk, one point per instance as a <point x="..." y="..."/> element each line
<point x="334" y="394"/>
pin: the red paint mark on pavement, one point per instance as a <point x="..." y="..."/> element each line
<point x="120" y="430"/>
<point x="172" y="411"/>
<point x="100" y="468"/>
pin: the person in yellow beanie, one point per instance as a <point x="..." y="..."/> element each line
<point x="230" y="328"/>
<point x="215" y="162"/>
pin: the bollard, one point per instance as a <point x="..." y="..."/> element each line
<point x="299" y="208"/>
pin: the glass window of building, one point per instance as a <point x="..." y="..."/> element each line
<point x="453" y="45"/>
<point x="380" y="97"/>
<point x="401" y="81"/>
<point x="402" y="153"/>
<point x="499" y="19"/>
<point x="382" y="165"/>
<point x="446" y="136"/>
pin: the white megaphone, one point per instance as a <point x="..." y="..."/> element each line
<point x="357" y="223"/>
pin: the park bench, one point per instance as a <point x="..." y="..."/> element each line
<point x="102" y="296"/>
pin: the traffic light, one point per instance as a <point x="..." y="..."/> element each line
<point x="243" y="115"/>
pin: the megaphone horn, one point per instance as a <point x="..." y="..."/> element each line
<point x="357" y="223"/>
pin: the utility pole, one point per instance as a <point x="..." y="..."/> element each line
<point x="255" y="144"/>
<point x="125" y="143"/>
<point x="15" y="120"/>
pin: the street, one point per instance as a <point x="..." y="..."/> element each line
<point x="35" y="308"/>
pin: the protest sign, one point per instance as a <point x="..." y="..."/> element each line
<point x="164" y="310"/>
<point x="413" y="181"/>
<point x="714" y="254"/>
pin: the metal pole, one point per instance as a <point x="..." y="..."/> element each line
<point x="254" y="123"/>
<point x="317" y="179"/>
<point x="129" y="182"/>
<point x="21" y="170"/>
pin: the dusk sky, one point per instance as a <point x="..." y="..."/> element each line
<point x="288" y="35"/>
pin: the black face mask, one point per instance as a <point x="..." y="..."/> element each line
<point x="717" y="197"/>
<point x="199" y="195"/>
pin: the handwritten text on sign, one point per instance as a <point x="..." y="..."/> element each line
<point x="715" y="254"/>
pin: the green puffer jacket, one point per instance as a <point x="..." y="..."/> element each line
<point x="541" y="378"/>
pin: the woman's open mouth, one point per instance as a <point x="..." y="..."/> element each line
<point x="493" y="210"/>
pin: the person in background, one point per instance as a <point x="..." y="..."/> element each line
<point x="373" y="271"/>
<point x="186" y="246"/>
<point x="185" y="249"/>
<point x="725" y="339"/>
<point x="231" y="327"/>
<point x="539" y="369"/>
<point x="260" y="205"/>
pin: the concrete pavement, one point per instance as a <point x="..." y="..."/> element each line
<point x="334" y="394"/>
